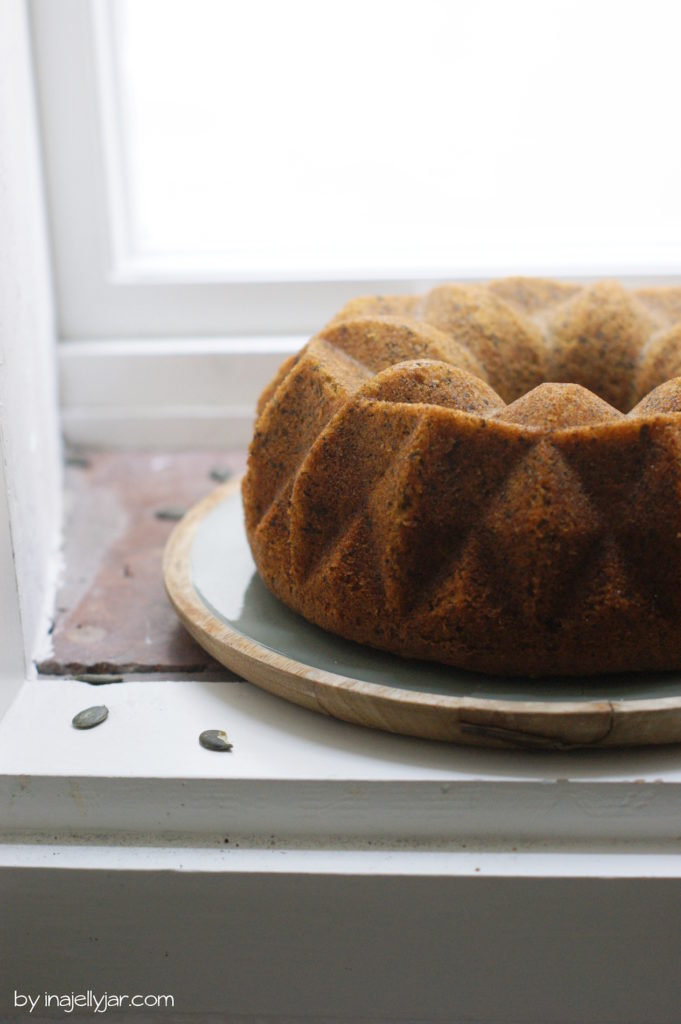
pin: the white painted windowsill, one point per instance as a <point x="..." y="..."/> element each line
<point x="296" y="780"/>
<point x="166" y="392"/>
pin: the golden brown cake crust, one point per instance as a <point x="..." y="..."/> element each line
<point x="487" y="476"/>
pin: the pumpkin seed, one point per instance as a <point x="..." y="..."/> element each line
<point x="215" y="739"/>
<point x="221" y="474"/>
<point x="88" y="718"/>
<point x="96" y="679"/>
<point x="172" y="512"/>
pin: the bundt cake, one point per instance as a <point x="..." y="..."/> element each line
<point x="488" y="476"/>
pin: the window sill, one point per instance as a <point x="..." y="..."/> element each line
<point x="299" y="780"/>
<point x="166" y="393"/>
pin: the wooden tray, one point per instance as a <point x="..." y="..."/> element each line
<point x="213" y="585"/>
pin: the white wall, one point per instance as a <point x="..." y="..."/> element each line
<point x="29" y="430"/>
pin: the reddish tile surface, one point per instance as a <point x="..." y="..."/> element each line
<point x="112" y="613"/>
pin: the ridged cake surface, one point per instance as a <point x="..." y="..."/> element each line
<point x="487" y="476"/>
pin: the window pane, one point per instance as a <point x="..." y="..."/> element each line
<point x="374" y="136"/>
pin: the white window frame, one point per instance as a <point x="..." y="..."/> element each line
<point x="103" y="290"/>
<point x="138" y="340"/>
<point x="324" y="816"/>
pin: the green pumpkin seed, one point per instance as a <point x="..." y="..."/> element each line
<point x="215" y="739"/>
<point x="90" y="717"/>
<point x="172" y="513"/>
<point x="96" y="679"/>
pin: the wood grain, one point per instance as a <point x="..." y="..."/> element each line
<point x="540" y="725"/>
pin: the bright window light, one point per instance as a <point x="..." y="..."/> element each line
<point x="368" y="137"/>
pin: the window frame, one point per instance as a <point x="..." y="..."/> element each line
<point x="102" y="292"/>
<point x="120" y="325"/>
